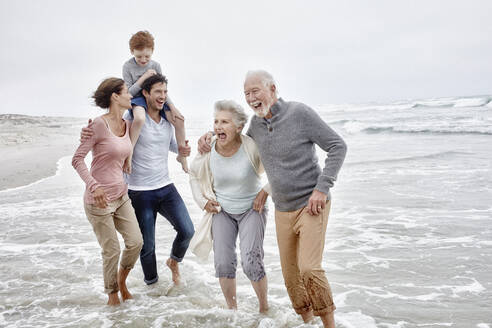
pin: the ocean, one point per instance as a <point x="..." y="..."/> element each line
<point x="409" y="239"/>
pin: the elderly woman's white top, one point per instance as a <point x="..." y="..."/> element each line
<point x="235" y="181"/>
<point x="201" y="181"/>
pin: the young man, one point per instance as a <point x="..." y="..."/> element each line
<point x="286" y="134"/>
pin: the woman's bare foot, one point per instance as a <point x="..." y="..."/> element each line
<point x="113" y="299"/>
<point x="122" y="274"/>
<point x="184" y="163"/>
<point x="174" y="267"/>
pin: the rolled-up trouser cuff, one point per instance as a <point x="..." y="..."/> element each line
<point x="319" y="291"/>
<point x="177" y="259"/>
<point x="226" y="275"/>
<point x="325" y="311"/>
<point x="111" y="290"/>
<point x="261" y="276"/>
<point x="304" y="309"/>
<point x="152" y="281"/>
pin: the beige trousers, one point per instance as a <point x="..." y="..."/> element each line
<point x="117" y="216"/>
<point x="301" y="239"/>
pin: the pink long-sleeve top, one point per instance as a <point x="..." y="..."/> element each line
<point x="108" y="156"/>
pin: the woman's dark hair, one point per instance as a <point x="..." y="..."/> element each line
<point x="149" y="82"/>
<point x="102" y="96"/>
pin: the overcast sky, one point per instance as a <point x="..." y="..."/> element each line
<point x="55" y="53"/>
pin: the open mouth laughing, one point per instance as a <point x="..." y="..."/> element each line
<point x="256" y="105"/>
<point x="160" y="103"/>
<point x="260" y="109"/>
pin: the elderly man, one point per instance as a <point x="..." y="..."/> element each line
<point x="286" y="134"/>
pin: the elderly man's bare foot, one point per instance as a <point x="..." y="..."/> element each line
<point x="113" y="299"/>
<point x="174" y="267"/>
<point x="328" y="320"/>
<point x="122" y="275"/>
<point x="308" y="316"/>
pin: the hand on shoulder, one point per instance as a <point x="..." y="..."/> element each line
<point x="87" y="132"/>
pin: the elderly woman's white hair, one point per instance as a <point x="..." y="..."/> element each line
<point x="239" y="117"/>
<point x="265" y="77"/>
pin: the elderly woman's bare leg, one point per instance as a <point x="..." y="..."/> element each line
<point x="261" y="288"/>
<point x="228" y="287"/>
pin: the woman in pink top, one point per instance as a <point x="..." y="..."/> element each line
<point x="106" y="201"/>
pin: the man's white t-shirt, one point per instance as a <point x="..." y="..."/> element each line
<point x="149" y="163"/>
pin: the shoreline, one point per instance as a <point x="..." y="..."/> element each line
<point x="31" y="146"/>
<point x="30" y="164"/>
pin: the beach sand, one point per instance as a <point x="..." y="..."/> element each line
<point x="30" y="146"/>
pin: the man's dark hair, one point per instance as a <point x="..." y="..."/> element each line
<point x="149" y="82"/>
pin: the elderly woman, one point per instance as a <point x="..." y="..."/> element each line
<point x="106" y="201"/>
<point x="226" y="184"/>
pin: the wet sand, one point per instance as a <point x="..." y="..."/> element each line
<point x="30" y="146"/>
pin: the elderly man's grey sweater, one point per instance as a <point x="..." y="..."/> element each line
<point x="286" y="146"/>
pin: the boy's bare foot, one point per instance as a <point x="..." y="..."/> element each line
<point x="122" y="274"/>
<point x="184" y="163"/>
<point x="174" y="267"/>
<point x="113" y="299"/>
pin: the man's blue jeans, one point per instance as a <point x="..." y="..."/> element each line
<point x="168" y="203"/>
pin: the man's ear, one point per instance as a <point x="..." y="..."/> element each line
<point x="273" y="88"/>
<point x="145" y="93"/>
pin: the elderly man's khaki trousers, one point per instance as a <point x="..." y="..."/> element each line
<point x="301" y="239"/>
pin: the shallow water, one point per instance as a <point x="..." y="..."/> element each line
<point x="409" y="240"/>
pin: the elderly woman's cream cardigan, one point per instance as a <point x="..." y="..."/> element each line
<point x="201" y="181"/>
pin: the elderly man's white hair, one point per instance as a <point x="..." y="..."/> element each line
<point x="265" y="77"/>
<point x="239" y="117"/>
